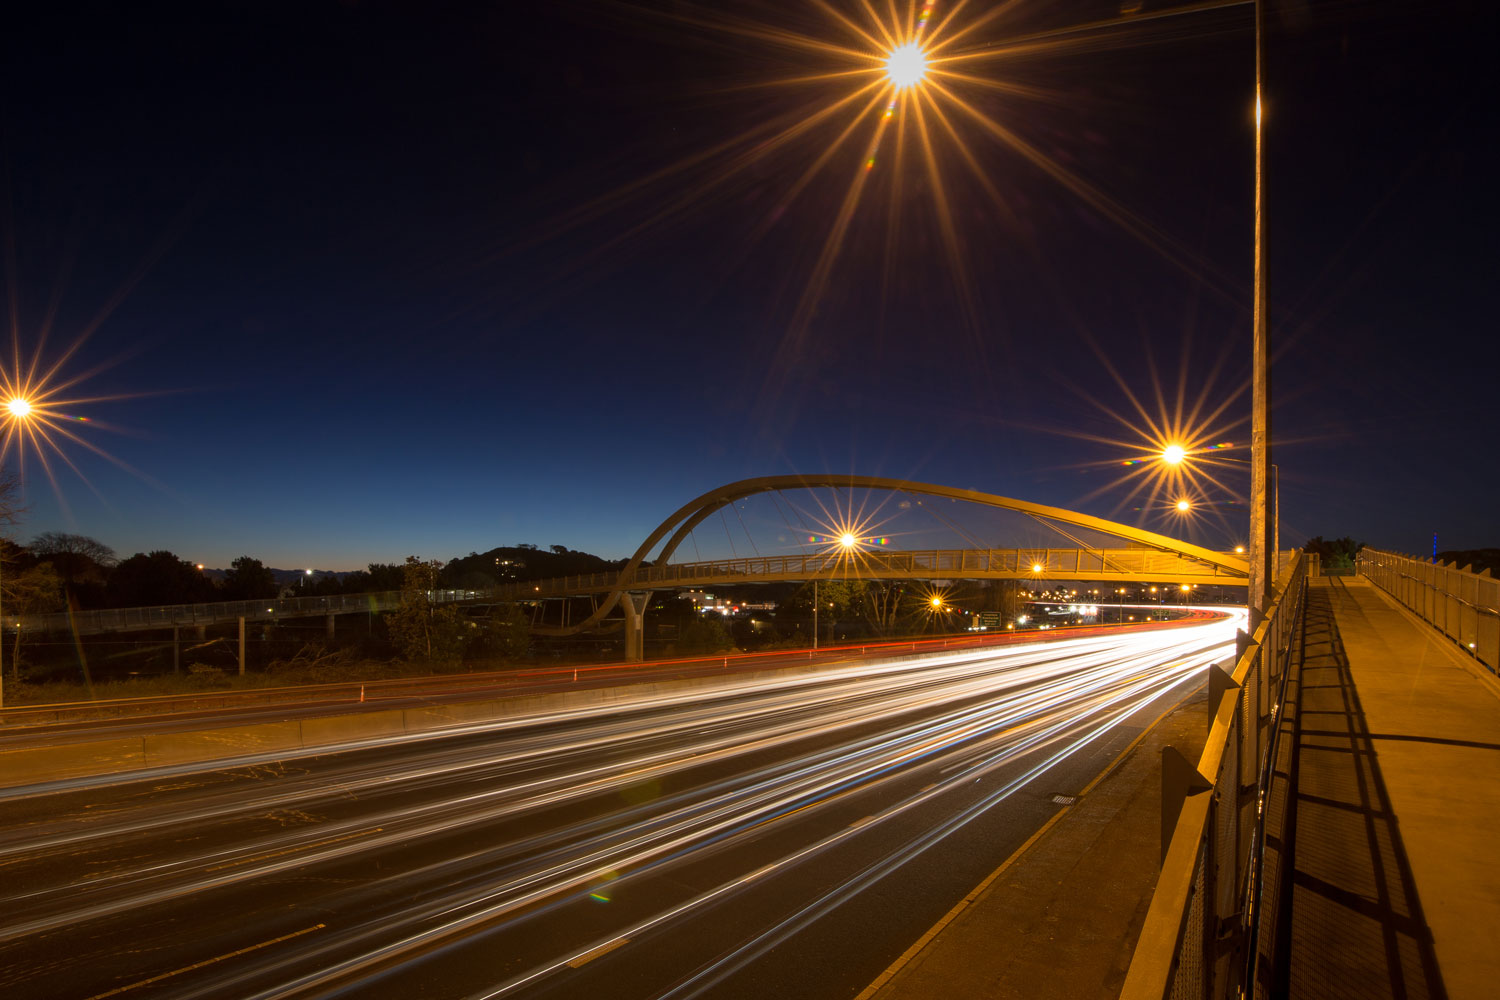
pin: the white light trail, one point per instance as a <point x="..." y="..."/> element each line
<point x="818" y="737"/>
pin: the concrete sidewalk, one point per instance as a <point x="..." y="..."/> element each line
<point x="1059" y="919"/>
<point x="1392" y="884"/>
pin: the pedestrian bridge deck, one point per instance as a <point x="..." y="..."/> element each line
<point x="1121" y="565"/>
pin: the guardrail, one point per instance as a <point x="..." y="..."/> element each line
<point x="1201" y="934"/>
<point x="1461" y="604"/>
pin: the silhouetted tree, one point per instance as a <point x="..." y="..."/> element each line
<point x="82" y="564"/>
<point x="34" y="591"/>
<point x="704" y="633"/>
<point x="248" y="580"/>
<point x="158" y="578"/>
<point x="507" y="634"/>
<point x="1338" y="553"/>
<point x="422" y="630"/>
<point x="384" y="576"/>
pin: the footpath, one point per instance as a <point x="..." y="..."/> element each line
<point x="1391" y="887"/>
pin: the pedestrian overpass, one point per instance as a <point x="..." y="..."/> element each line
<point x="1140" y="557"/>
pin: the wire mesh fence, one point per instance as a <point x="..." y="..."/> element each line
<point x="1461" y="604"/>
<point x="1200" y="935"/>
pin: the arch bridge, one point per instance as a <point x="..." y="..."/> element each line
<point x="1144" y="557"/>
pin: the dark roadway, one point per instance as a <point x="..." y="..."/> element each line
<point x="784" y="838"/>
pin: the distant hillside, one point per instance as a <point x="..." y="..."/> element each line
<point x="520" y="562"/>
<point x="1479" y="558"/>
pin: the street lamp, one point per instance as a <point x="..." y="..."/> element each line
<point x="1176" y="454"/>
<point x="906" y="65"/>
<point x="18" y="408"/>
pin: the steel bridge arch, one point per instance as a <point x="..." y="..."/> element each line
<point x="691" y="514"/>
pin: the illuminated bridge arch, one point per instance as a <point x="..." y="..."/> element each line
<point x="640" y="574"/>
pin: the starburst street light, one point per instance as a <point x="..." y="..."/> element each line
<point x="19" y="409"/>
<point x="906" y="66"/>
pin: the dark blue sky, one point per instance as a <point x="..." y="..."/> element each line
<point x="380" y="279"/>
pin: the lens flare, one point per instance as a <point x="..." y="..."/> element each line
<point x="906" y="65"/>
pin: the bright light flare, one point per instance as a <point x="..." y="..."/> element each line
<point x="847" y="540"/>
<point x="906" y="66"/>
<point x="34" y="420"/>
<point x="1183" y="506"/>
<point x="1173" y="454"/>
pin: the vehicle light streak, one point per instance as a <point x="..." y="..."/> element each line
<point x="522" y="818"/>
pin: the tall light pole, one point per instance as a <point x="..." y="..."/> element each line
<point x="19" y="410"/>
<point x="1263" y="527"/>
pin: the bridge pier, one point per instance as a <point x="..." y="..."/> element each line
<point x="633" y="603"/>
<point x="330" y="625"/>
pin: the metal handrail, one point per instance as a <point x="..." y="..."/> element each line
<point x="1434" y="592"/>
<point x="1199" y="936"/>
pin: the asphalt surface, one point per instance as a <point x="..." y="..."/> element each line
<point x="785" y="837"/>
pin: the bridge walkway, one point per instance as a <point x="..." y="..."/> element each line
<point x="1390" y="887"/>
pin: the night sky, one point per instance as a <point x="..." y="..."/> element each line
<point x="349" y="281"/>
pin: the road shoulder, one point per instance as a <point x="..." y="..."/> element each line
<point x="1060" y="917"/>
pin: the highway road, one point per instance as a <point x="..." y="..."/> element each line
<point x="784" y="838"/>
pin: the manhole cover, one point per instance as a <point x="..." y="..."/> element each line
<point x="1065" y="800"/>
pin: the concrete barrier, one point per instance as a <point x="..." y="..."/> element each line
<point x="353" y="726"/>
<point x="230" y="741"/>
<point x="28" y="766"/>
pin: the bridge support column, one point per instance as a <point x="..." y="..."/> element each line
<point x="330" y="625"/>
<point x="633" y="603"/>
<point x="176" y="652"/>
<point x="242" y="645"/>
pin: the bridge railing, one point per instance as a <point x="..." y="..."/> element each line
<point x="1461" y="604"/>
<point x="1200" y="938"/>
<point x="1038" y="563"/>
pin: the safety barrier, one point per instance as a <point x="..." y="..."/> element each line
<point x="1203" y="931"/>
<point x="1461" y="604"/>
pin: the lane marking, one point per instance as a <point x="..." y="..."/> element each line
<point x="861" y="822"/>
<point x="603" y="949"/>
<point x="963" y="904"/>
<point x="293" y="850"/>
<point x="207" y="961"/>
